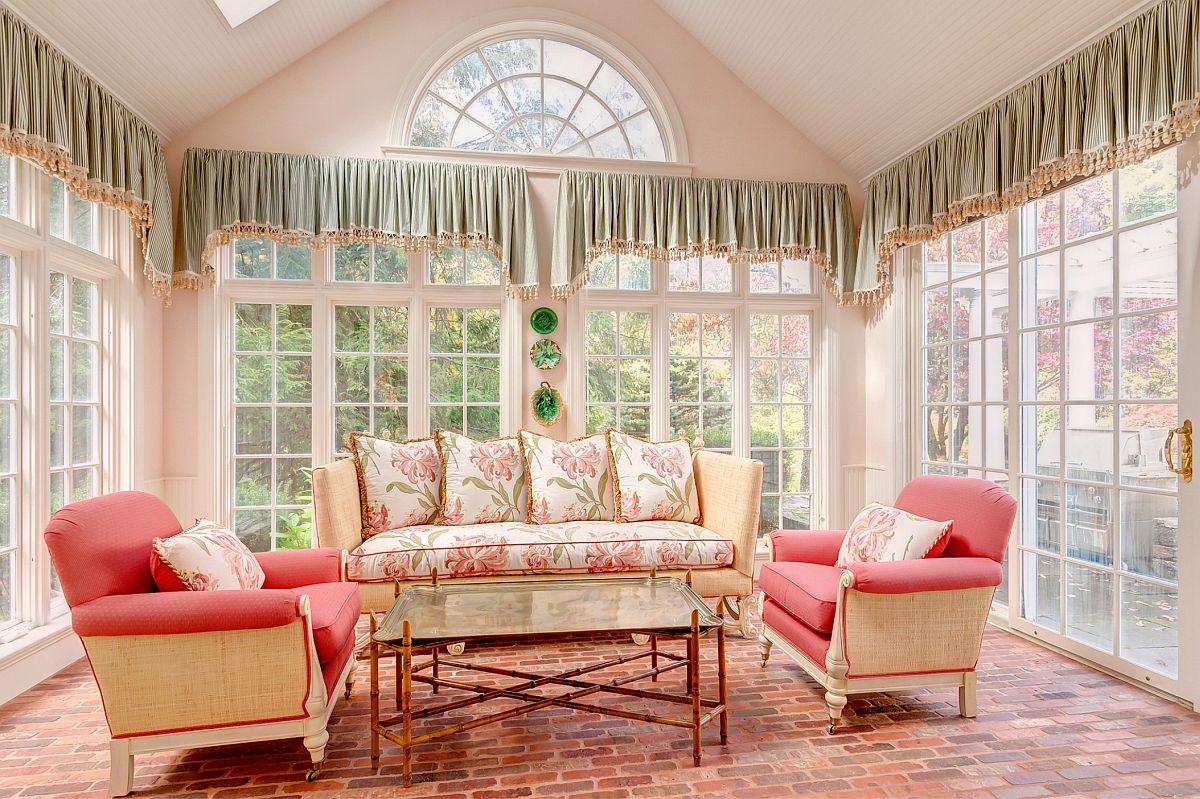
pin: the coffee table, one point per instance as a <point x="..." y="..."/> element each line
<point x="428" y="618"/>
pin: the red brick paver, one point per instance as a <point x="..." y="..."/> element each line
<point x="1047" y="727"/>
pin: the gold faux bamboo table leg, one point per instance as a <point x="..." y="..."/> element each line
<point x="406" y="702"/>
<point x="721" y="696"/>
<point x="374" y="651"/>
<point x="694" y="683"/>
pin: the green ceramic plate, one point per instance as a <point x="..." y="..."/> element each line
<point x="543" y="321"/>
<point x="546" y="405"/>
<point x="545" y="354"/>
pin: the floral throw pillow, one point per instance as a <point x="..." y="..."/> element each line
<point x="398" y="482"/>
<point x="881" y="533"/>
<point x="568" y="480"/>
<point x="482" y="481"/>
<point x="653" y="482"/>
<point x="208" y="557"/>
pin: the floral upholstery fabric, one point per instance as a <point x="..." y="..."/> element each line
<point x="400" y="482"/>
<point x="653" y="481"/>
<point x="880" y="533"/>
<point x="568" y="480"/>
<point x="511" y="548"/>
<point x="482" y="481"/>
<point x="209" y="557"/>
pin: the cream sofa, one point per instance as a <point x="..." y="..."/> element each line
<point x="729" y="490"/>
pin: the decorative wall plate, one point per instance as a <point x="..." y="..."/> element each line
<point x="543" y="321"/>
<point x="545" y="354"/>
<point x="546" y="405"/>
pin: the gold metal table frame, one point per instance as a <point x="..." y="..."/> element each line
<point x="423" y="615"/>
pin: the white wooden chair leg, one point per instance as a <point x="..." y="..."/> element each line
<point x="764" y="648"/>
<point x="835" y="700"/>
<point x="350" y="678"/>
<point x="966" y="696"/>
<point x="120" y="768"/>
<point x="744" y="617"/>
<point x="315" y="744"/>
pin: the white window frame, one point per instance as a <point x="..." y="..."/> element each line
<point x="741" y="303"/>
<point x="25" y="236"/>
<point x="322" y="292"/>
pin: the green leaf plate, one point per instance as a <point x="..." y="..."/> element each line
<point x="545" y="354"/>
<point x="546" y="405"/>
<point x="543" y="321"/>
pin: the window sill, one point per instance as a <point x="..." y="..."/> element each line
<point x="36" y="655"/>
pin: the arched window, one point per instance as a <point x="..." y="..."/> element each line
<point x="542" y="95"/>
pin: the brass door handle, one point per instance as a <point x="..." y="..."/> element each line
<point x="1185" y="450"/>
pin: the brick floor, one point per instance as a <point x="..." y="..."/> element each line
<point x="1047" y="727"/>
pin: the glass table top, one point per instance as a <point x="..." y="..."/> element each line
<point x="544" y="607"/>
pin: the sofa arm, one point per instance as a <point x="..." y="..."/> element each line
<point x="730" y="492"/>
<point x="183" y="612"/>
<point x="337" y="509"/>
<point x="806" y="546"/>
<point x="296" y="567"/>
<point x="927" y="574"/>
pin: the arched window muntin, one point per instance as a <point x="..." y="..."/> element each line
<point x="542" y="90"/>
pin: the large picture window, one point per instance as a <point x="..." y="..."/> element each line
<point x="322" y="343"/>
<point x="701" y="348"/>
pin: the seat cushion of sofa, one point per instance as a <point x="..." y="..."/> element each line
<point x="518" y="548"/>
<point x="808" y="591"/>
<point x="335" y="609"/>
<point x="808" y="641"/>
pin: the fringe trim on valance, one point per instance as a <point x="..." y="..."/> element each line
<point x="407" y="242"/>
<point x="731" y="250"/>
<point x="56" y="160"/>
<point x="1165" y="132"/>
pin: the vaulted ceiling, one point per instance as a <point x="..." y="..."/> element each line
<point x="866" y="81"/>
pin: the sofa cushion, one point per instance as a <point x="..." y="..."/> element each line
<point x="335" y="608"/>
<point x="652" y="481"/>
<point x="512" y="548"/>
<point x="808" y="591"/>
<point x="208" y="557"/>
<point x="568" y="480"/>
<point x="399" y="482"/>
<point x="814" y="645"/>
<point x="482" y="481"/>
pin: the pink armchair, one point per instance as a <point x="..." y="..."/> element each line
<point x="890" y="626"/>
<point x="201" y="668"/>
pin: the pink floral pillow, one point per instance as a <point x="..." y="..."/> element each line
<point x="881" y="533"/>
<point x="482" y="481"/>
<point x="209" y="557"/>
<point x="568" y="480"/>
<point x="653" y="482"/>
<point x="399" y="482"/>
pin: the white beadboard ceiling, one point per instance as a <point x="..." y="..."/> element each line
<point x="869" y="80"/>
<point x="175" y="62"/>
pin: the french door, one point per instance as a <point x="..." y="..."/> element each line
<point x="1061" y="346"/>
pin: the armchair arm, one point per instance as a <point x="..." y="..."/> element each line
<point x="337" y="506"/>
<point x="927" y="574"/>
<point x="296" y="567"/>
<point x="806" y="546"/>
<point x="730" y="492"/>
<point x="181" y="612"/>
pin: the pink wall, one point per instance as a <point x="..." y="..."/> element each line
<point x="339" y="99"/>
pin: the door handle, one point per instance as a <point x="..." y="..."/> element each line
<point x="1184" y="469"/>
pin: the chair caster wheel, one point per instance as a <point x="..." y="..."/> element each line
<point x="313" y="773"/>
<point x="831" y="729"/>
<point x="346" y="693"/>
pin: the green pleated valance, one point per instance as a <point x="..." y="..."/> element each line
<point x="675" y="217"/>
<point x="321" y="200"/>
<point x="55" y="115"/>
<point x="1110" y="104"/>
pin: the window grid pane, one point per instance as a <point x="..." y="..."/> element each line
<point x="7" y="200"/>
<point x="464" y="370"/>
<point x="10" y="573"/>
<point x="618" y="371"/>
<point x="71" y="218"/>
<point x="623" y="272"/>
<point x="780" y="416"/>
<point x="700" y="381"/>
<point x="370" y="372"/>
<point x="361" y="262"/>
<point x="272" y="494"/>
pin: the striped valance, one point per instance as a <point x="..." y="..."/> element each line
<point x="676" y="217"/>
<point x="324" y="200"/>
<point x="55" y="115"/>
<point x="1112" y="103"/>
